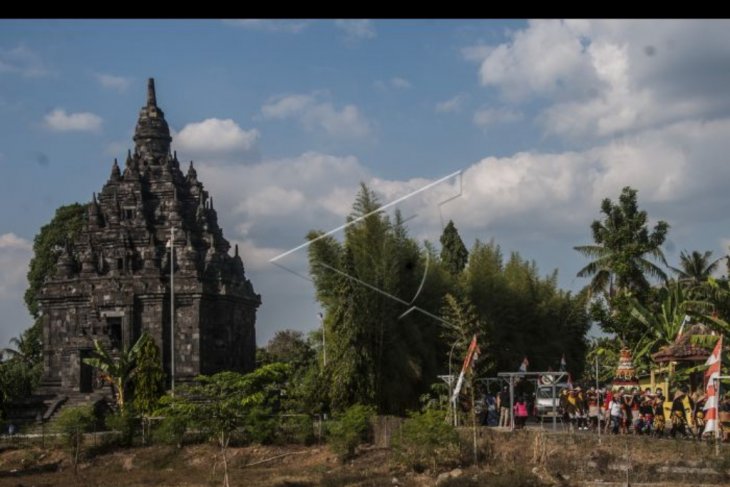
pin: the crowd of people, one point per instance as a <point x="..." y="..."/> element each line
<point x="626" y="410"/>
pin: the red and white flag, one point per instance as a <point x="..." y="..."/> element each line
<point x="712" y="377"/>
<point x="471" y="356"/>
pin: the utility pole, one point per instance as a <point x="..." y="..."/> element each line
<point x="172" y="309"/>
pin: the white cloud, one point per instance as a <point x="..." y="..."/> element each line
<point x="255" y="256"/>
<point x="269" y="25"/>
<point x="608" y="78"/>
<point x="22" y="61"/>
<point x="680" y="171"/>
<point x="453" y="104"/>
<point x="274" y="201"/>
<point x="396" y="83"/>
<point x="60" y="121"/>
<point x="215" y="136"/>
<point x="356" y="30"/>
<point x="268" y="207"/>
<point x="15" y="254"/>
<point x="12" y="241"/>
<point x="314" y="113"/>
<point x="283" y="187"/>
<point x="542" y="58"/>
<point x="112" y="82"/>
<point x="724" y="250"/>
<point x="476" y="53"/>
<point x="288" y="106"/>
<point x="487" y="117"/>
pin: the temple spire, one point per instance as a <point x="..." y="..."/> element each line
<point x="152" y="134"/>
<point x="116" y="173"/>
<point x="151" y="96"/>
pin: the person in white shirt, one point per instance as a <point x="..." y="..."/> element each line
<point x="615" y="410"/>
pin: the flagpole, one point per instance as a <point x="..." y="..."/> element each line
<point x="598" y="403"/>
<point x="717" y="414"/>
<point x="717" y="402"/>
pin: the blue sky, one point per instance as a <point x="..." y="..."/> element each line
<point x="285" y="118"/>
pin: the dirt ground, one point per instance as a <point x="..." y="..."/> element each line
<point x="193" y="466"/>
<point x="518" y="459"/>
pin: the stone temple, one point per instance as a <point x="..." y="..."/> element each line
<point x="115" y="283"/>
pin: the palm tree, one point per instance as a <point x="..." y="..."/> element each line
<point x="25" y="348"/>
<point x="623" y="246"/>
<point x="15" y="351"/>
<point x="696" y="268"/>
<point x="119" y="370"/>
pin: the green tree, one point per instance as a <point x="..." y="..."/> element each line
<point x="624" y="248"/>
<point x="453" y="251"/>
<point x="352" y="377"/>
<point x="461" y="323"/>
<point x="27" y="348"/>
<point x="22" y="366"/>
<point x="222" y="403"/>
<point x="606" y="351"/>
<point x="523" y="313"/>
<point x="306" y="391"/>
<point x="48" y="244"/>
<point x="696" y="267"/>
<point x="17" y="381"/>
<point x="369" y="285"/>
<point x="366" y="286"/>
<point x="289" y="346"/>
<point x="149" y="377"/>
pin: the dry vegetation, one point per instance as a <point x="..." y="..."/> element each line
<point x="526" y="458"/>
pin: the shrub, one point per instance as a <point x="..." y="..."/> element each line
<point x="426" y="440"/>
<point x="73" y="423"/>
<point x="296" y="429"/>
<point x="171" y="431"/>
<point x="125" y="423"/>
<point x="260" y="426"/>
<point x="350" y="429"/>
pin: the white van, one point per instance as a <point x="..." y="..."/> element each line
<point x="547" y="402"/>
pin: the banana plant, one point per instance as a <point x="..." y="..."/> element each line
<point x="116" y="370"/>
<point x="663" y="327"/>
